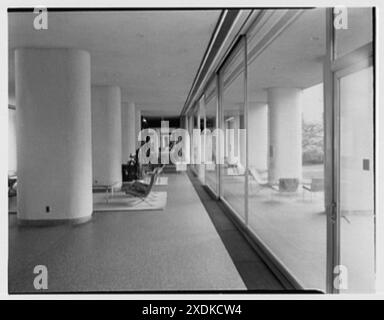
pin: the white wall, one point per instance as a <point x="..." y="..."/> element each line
<point x="54" y="153"/>
<point x="106" y="135"/>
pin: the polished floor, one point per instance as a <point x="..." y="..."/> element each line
<point x="177" y="248"/>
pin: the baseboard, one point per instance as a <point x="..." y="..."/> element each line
<point x="53" y="222"/>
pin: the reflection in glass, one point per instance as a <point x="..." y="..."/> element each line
<point x="233" y="171"/>
<point x="286" y="152"/>
<point x="211" y="141"/>
<point x="195" y="140"/>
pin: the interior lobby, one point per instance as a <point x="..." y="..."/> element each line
<point x="277" y="193"/>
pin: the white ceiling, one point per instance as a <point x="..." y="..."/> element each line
<point x="152" y="55"/>
<point x="295" y="58"/>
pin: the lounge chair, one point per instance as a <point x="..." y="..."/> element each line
<point x="316" y="185"/>
<point x="157" y="170"/>
<point x="286" y="187"/>
<point x="109" y="189"/>
<point x="160" y="169"/>
<point x="140" y="189"/>
<point x="254" y="174"/>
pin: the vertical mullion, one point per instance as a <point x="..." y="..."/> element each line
<point x="336" y="176"/>
<point x="219" y="137"/>
<point x="331" y="142"/>
<point x="203" y="147"/>
<point x="246" y="206"/>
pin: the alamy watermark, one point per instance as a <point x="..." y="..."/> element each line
<point x="203" y="147"/>
<point x="40" y="22"/>
<point x="40" y="282"/>
<point x="340" y="281"/>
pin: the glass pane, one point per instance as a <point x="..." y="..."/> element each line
<point x="233" y="171"/>
<point x="286" y="154"/>
<point x="195" y="141"/>
<point x="356" y="180"/>
<point x="210" y="145"/>
<point x="357" y="31"/>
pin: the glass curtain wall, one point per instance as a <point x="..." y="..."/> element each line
<point x="195" y="137"/>
<point x="274" y="176"/>
<point x="211" y="169"/>
<point x="232" y="89"/>
<point x="285" y="132"/>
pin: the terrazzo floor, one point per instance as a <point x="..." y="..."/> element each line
<point x="174" y="249"/>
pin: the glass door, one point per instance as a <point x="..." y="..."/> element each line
<point x="354" y="214"/>
<point x="356" y="177"/>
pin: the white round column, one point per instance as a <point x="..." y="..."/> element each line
<point x="128" y="130"/>
<point x="53" y="105"/>
<point x="258" y="135"/>
<point x="242" y="140"/>
<point x="106" y="135"/>
<point x="285" y="133"/>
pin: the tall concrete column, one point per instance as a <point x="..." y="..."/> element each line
<point x="237" y="137"/>
<point x="128" y="125"/>
<point x="53" y="105"/>
<point x="285" y="133"/>
<point x="203" y="120"/>
<point x="258" y="135"/>
<point x="137" y="127"/>
<point x="242" y="141"/>
<point x="190" y="131"/>
<point x="106" y="135"/>
<point x="230" y="126"/>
